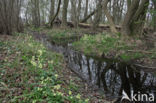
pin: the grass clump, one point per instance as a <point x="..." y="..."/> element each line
<point x="28" y="73"/>
<point x="63" y="37"/>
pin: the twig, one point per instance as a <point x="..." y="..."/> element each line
<point x="140" y="51"/>
<point x="144" y="66"/>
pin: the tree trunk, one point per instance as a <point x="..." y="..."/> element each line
<point x="135" y="18"/>
<point x="86" y="9"/>
<point x="79" y="10"/>
<point x="74" y="13"/>
<point x="64" y="13"/>
<point x="87" y="17"/>
<point x="131" y="11"/>
<point x="154" y="16"/>
<point x="109" y="17"/>
<point x="52" y="10"/>
<point x="10" y="16"/>
<point x="128" y="4"/>
<point x="138" y="19"/>
<point x="38" y="12"/>
<point x="54" y="17"/>
<point x="98" y="15"/>
<point x="35" y="13"/>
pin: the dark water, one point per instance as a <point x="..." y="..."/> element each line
<point x="111" y="78"/>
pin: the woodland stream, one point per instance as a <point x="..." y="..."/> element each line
<point x="110" y="77"/>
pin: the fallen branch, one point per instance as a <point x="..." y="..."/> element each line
<point x="139" y="65"/>
<point x="146" y="52"/>
<point x="87" y="17"/>
<point x="85" y="25"/>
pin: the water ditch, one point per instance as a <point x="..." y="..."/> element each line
<point x="110" y="77"/>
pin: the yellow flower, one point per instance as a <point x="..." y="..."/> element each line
<point x="44" y="92"/>
<point x="54" y="94"/>
<point x="42" y="82"/>
<point x="39" y="89"/>
<point x="59" y="93"/>
<point x="51" y="62"/>
<point x="40" y="65"/>
<point x="40" y="52"/>
<point x="56" y="75"/>
<point x="33" y="58"/>
<point x="57" y="87"/>
<point x="34" y="101"/>
<point x="78" y="96"/>
<point x="33" y="63"/>
<point x="70" y="92"/>
<point x="30" y="44"/>
<point x="52" y="90"/>
<point x="48" y="78"/>
<point x="42" y="78"/>
<point x="87" y="100"/>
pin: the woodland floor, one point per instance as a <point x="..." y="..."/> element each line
<point x="30" y="73"/>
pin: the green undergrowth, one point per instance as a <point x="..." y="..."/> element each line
<point x="28" y="73"/>
<point x="63" y="36"/>
<point x="110" y="46"/>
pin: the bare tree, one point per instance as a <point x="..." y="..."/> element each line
<point x="88" y="16"/>
<point x="79" y="10"/>
<point x="64" y="13"/>
<point x="154" y="15"/>
<point x="109" y="17"/>
<point x="57" y="12"/>
<point x="117" y="10"/>
<point x="74" y="13"/>
<point x="52" y="9"/>
<point x="98" y="15"/>
<point x="86" y="9"/>
<point x="10" y="20"/>
<point x="35" y="13"/>
<point x="134" y="20"/>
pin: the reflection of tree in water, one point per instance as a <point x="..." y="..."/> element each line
<point x="119" y="77"/>
<point x="112" y="77"/>
<point x="89" y="70"/>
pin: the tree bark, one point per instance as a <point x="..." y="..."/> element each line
<point x="131" y="11"/>
<point x="87" y="17"/>
<point x="35" y="13"/>
<point x="74" y="13"/>
<point x="98" y="15"/>
<point x="138" y="19"/>
<point x="134" y="20"/>
<point x="79" y="10"/>
<point x="64" y="13"/>
<point x="58" y="9"/>
<point x="128" y="4"/>
<point x="109" y="17"/>
<point x="154" y="16"/>
<point x="10" y="16"/>
<point x="86" y="9"/>
<point x="52" y="10"/>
